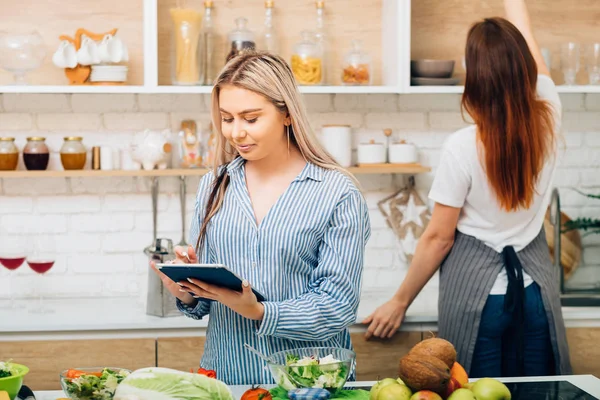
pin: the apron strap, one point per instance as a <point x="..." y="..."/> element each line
<point x="514" y="303"/>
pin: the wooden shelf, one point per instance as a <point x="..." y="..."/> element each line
<point x="186" y="172"/>
<point x="459" y="89"/>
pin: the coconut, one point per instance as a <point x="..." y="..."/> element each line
<point x="436" y="347"/>
<point x="424" y="372"/>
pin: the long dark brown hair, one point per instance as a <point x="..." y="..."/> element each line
<point x="514" y="128"/>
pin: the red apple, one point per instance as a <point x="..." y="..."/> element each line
<point x="425" y="395"/>
<point x="453" y="384"/>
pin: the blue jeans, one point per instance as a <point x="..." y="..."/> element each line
<point x="494" y="331"/>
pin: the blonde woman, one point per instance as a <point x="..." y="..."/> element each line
<point x="281" y="213"/>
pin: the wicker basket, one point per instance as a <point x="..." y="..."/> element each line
<point x="570" y="245"/>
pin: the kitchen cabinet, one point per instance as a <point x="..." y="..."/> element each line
<point x="439" y="30"/>
<point x="393" y="31"/>
<point x="179" y="353"/>
<point x="46" y="359"/>
<point x="584" y="350"/>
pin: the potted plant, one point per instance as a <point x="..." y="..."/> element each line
<point x="588" y="225"/>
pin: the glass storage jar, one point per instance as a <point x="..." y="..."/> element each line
<point x="356" y="69"/>
<point x="187" y="64"/>
<point x="307" y="60"/>
<point x="241" y="38"/>
<point x="73" y="153"/>
<point x="36" y="154"/>
<point x="9" y="154"/>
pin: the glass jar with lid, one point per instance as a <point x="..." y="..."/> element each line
<point x="73" y="153"/>
<point x="307" y="60"/>
<point x="36" y="154"/>
<point x="9" y="154"/>
<point x="356" y="69"/>
<point x="240" y="39"/>
<point x="187" y="66"/>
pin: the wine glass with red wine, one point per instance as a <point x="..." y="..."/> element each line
<point x="13" y="249"/>
<point x="41" y="260"/>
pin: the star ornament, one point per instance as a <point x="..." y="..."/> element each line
<point x="412" y="212"/>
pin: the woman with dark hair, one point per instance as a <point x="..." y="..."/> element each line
<point x="499" y="301"/>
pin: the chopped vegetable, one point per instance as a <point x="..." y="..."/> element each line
<point x="98" y="385"/>
<point x="256" y="393"/>
<point x="5" y="369"/>
<point x="207" y="372"/>
<point x="327" y="373"/>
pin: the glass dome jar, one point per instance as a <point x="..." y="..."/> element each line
<point x="9" y="154"/>
<point x="36" y="154"/>
<point x="241" y="38"/>
<point x="356" y="69"/>
<point x="307" y="60"/>
<point x="73" y="153"/>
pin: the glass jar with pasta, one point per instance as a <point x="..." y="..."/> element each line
<point x="307" y="60"/>
<point x="356" y="69"/>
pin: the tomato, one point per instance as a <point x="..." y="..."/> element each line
<point x="256" y="393"/>
<point x="208" y="372"/>
<point x="75" y="373"/>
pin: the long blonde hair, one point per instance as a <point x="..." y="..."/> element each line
<point x="270" y="76"/>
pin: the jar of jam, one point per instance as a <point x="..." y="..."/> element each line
<point x="9" y="154"/>
<point x="73" y="153"/>
<point x="36" y="154"/>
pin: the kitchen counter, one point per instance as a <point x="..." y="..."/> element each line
<point x="121" y="318"/>
<point x="587" y="383"/>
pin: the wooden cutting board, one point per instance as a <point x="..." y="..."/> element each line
<point x="570" y="245"/>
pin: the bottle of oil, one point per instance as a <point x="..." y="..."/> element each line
<point x="208" y="39"/>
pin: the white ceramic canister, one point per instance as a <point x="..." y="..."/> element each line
<point x="337" y="140"/>
<point x="403" y="153"/>
<point x="371" y="153"/>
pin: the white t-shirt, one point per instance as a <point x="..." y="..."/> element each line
<point x="461" y="182"/>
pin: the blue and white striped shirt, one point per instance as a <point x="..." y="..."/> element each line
<point x="305" y="257"/>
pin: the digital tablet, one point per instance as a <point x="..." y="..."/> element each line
<point x="214" y="274"/>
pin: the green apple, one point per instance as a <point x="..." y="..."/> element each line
<point x="462" y="394"/>
<point x="394" y="392"/>
<point x="490" y="389"/>
<point x="380" y="385"/>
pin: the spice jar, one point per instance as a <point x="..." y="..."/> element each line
<point x="356" y="69"/>
<point x="36" y="154"/>
<point x="241" y="38"/>
<point x="73" y="153"/>
<point x="9" y="154"/>
<point x="307" y="60"/>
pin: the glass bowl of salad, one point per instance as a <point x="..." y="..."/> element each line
<point x="92" y="383"/>
<point x="312" y="367"/>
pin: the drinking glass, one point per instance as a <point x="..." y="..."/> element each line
<point x="13" y="249"/>
<point x="570" y="61"/>
<point x="41" y="261"/>
<point x="593" y="63"/>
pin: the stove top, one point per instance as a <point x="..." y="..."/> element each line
<point x="554" y="390"/>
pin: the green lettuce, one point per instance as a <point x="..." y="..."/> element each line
<point x="168" y="384"/>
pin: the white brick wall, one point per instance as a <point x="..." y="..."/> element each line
<point x="100" y="226"/>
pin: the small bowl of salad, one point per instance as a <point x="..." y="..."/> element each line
<point x="92" y="383"/>
<point x="11" y="377"/>
<point x="312" y="367"/>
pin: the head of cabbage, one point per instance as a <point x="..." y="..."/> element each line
<point x="169" y="384"/>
